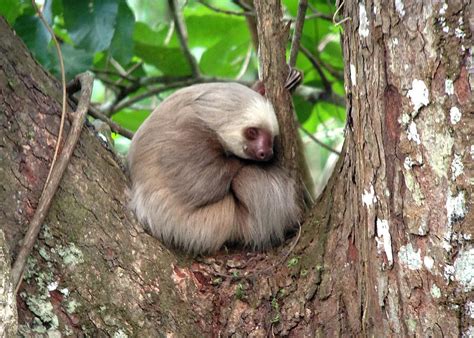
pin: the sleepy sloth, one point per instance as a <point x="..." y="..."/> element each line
<point x="202" y="171"/>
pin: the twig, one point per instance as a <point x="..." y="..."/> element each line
<point x="52" y="185"/>
<point x="245" y="5"/>
<point x="257" y="273"/>
<point x="335" y="14"/>
<point x="183" y="37"/>
<point x="314" y="95"/>
<point x="246" y="63"/>
<point x="130" y="71"/>
<point x="117" y="66"/>
<point x="152" y="92"/>
<point x="317" y="66"/>
<point x="114" y="73"/>
<point x="63" y="85"/>
<point x="322" y="144"/>
<point x="224" y="11"/>
<point x="177" y="83"/>
<point x="169" y="34"/>
<point x="138" y="84"/>
<point x="295" y="44"/>
<point x="331" y="70"/>
<point x="116" y="128"/>
<point x="318" y="15"/>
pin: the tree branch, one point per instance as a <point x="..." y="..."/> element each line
<point x="313" y="95"/>
<point x="224" y="11"/>
<point x="115" y="127"/>
<point x="316" y="140"/>
<point x="177" y="83"/>
<point x="295" y="44"/>
<point x="317" y="66"/>
<point x="317" y="14"/>
<point x="183" y="37"/>
<point x="86" y="81"/>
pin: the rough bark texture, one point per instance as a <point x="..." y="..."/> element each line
<point x="387" y="250"/>
<point x="401" y="239"/>
<point x="8" y="313"/>
<point x="93" y="270"/>
<point x="273" y="36"/>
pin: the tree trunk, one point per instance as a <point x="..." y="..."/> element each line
<point x="387" y="250"/>
<point x="399" y="250"/>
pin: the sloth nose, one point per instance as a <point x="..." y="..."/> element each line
<point x="265" y="155"/>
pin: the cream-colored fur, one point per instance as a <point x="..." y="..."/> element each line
<point x="190" y="185"/>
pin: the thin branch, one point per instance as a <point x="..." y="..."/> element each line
<point x="246" y="63"/>
<point x="116" y="88"/>
<point x="183" y="37"/>
<point x="130" y="71"/>
<point x="310" y="94"/>
<point x="317" y="66"/>
<point x="251" y="20"/>
<point x="152" y="92"/>
<point x="172" y="85"/>
<point x="295" y="44"/>
<point x="116" y="128"/>
<point x="335" y="14"/>
<point x="138" y="84"/>
<point x="338" y="74"/>
<point x="224" y="11"/>
<point x="314" y="95"/>
<point x="245" y="5"/>
<point x="52" y="185"/>
<point x="163" y="79"/>
<point x="114" y="73"/>
<point x="63" y="85"/>
<point x="319" y="15"/>
<point x="117" y="65"/>
<point x="322" y="144"/>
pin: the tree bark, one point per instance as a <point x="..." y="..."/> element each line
<point x="93" y="270"/>
<point x="386" y="251"/>
<point x="401" y="238"/>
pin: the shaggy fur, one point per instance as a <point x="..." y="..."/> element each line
<point x="191" y="182"/>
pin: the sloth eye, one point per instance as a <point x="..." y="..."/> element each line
<point x="251" y="133"/>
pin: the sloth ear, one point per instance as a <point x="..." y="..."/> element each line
<point x="294" y="79"/>
<point x="259" y="87"/>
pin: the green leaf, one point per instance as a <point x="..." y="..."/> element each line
<point x="152" y="12"/>
<point x="35" y="35"/>
<point x="57" y="8"/>
<point x="291" y="6"/>
<point x="222" y="54"/>
<point x="170" y="61"/>
<point x="131" y="119"/>
<point x="91" y="24"/>
<point x="76" y="61"/>
<point x="121" y="47"/>
<point x="332" y="55"/>
<point x="148" y="36"/>
<point x="10" y="10"/>
<point x="303" y="108"/>
<point x="207" y="30"/>
<point x="224" y="58"/>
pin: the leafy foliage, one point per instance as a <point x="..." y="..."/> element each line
<point x="134" y="49"/>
